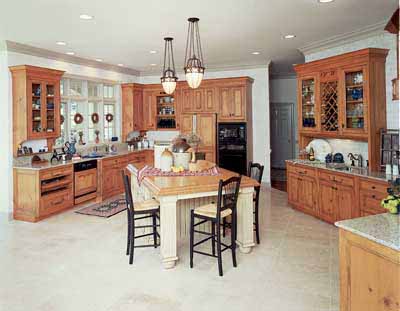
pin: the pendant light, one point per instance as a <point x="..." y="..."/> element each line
<point x="194" y="64"/>
<point x="168" y="79"/>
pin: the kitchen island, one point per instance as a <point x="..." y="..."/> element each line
<point x="178" y="194"/>
<point x="369" y="250"/>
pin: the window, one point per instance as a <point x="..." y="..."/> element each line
<point x="89" y="107"/>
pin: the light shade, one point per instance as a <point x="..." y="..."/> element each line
<point x="169" y="78"/>
<point x="194" y="63"/>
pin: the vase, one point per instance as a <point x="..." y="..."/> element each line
<point x="97" y="139"/>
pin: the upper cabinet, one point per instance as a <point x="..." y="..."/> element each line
<point x="233" y="104"/>
<point x="202" y="99"/>
<point x="36" y="104"/>
<point x="344" y="96"/>
<point x="132" y="108"/>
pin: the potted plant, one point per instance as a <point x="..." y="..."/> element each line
<point x="392" y="201"/>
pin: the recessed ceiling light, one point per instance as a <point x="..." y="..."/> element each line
<point x="325" y="1"/>
<point x="153" y="65"/>
<point x="61" y="43"/>
<point x="121" y="65"/>
<point x="70" y="53"/>
<point x="289" y="36"/>
<point x="255" y="53"/>
<point x="98" y="60"/>
<point x="153" y="52"/>
<point x="85" y="16"/>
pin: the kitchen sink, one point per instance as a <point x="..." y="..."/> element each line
<point x="92" y="156"/>
<point x="353" y="169"/>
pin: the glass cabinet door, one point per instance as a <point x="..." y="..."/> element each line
<point x="308" y="106"/>
<point x="37" y="108"/>
<point x="50" y="108"/>
<point x="354" y="100"/>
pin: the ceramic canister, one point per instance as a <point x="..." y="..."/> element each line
<point x="182" y="159"/>
<point x="166" y="160"/>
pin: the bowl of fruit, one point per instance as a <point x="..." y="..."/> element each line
<point x="392" y="201"/>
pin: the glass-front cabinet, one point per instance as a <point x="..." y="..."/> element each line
<point x="308" y="103"/>
<point x="166" y="114"/>
<point x="355" y="105"/>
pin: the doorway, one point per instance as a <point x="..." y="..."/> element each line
<point x="283" y="142"/>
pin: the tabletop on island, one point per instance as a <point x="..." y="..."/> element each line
<point x="178" y="185"/>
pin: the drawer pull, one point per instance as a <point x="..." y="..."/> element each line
<point x="373" y="187"/>
<point x="58" y="202"/>
<point x="373" y="196"/>
<point x="302" y="172"/>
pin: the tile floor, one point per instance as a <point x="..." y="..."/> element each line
<point x="77" y="262"/>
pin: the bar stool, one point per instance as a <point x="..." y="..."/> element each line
<point x="228" y="192"/>
<point x="145" y="209"/>
<point x="255" y="171"/>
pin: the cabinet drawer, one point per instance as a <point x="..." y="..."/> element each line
<point x="54" y="202"/>
<point x="376" y="186"/>
<point x="336" y="178"/>
<point x="301" y="170"/>
<point x="370" y="202"/>
<point x="114" y="162"/>
<point x="137" y="158"/>
<point x="56" y="172"/>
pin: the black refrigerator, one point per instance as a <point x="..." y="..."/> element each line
<point x="232" y="147"/>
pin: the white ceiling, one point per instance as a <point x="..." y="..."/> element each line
<point x="124" y="31"/>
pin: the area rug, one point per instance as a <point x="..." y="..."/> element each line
<point x="107" y="208"/>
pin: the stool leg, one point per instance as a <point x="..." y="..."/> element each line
<point x="213" y="225"/>
<point x="223" y="227"/>
<point x="219" y="252"/>
<point x="191" y="237"/>
<point x="128" y="239"/>
<point x="155" y="230"/>
<point x="132" y="233"/>
<point x="257" y="224"/>
<point x="233" y="239"/>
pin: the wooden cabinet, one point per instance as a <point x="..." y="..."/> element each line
<point x="36" y="104"/>
<point x="369" y="274"/>
<point x="202" y="99"/>
<point x="344" y="97"/>
<point x="302" y="192"/>
<point x="232" y="101"/>
<point x="327" y="201"/>
<point x="206" y="124"/>
<point x="41" y="193"/>
<point x="85" y="182"/>
<point x="149" y="109"/>
<point x="371" y="195"/>
<point x="187" y="123"/>
<point x="132" y="108"/>
<point x="137" y="108"/>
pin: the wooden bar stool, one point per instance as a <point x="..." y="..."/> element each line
<point x="145" y="209"/>
<point x="228" y="192"/>
<point x="255" y="171"/>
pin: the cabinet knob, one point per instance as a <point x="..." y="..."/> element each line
<point x="373" y="196"/>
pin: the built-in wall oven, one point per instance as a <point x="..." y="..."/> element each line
<point x="232" y="147"/>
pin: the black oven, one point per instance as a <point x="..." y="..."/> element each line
<point x="232" y="147"/>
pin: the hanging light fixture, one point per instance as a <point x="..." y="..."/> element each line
<point x="194" y="64"/>
<point x="168" y="79"/>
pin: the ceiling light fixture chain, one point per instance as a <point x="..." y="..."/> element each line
<point x="168" y="79"/>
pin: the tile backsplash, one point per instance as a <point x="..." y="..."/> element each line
<point x="162" y="135"/>
<point x="346" y="146"/>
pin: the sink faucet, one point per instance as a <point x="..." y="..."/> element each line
<point x="356" y="157"/>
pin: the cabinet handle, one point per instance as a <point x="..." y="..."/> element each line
<point x="373" y="187"/>
<point x="59" y="201"/>
<point x="373" y="196"/>
<point x="302" y="172"/>
<point x="342" y="125"/>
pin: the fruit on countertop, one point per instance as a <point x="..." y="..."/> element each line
<point x="391" y="203"/>
<point x="178" y="169"/>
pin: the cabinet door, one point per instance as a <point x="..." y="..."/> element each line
<point x="187" y="101"/>
<point x="206" y="129"/>
<point x="346" y="201"/>
<point x="354" y="106"/>
<point x="307" y="193"/>
<point x="36" y="110"/>
<point x="307" y="103"/>
<point x="210" y="104"/>
<point x="327" y="201"/>
<point x="238" y="103"/>
<point x="198" y="97"/>
<point x="187" y="123"/>
<point x="127" y="112"/>
<point x="137" y="110"/>
<point x="225" y="103"/>
<point x="329" y="102"/>
<point x="149" y="110"/>
<point x="293" y="188"/>
<point x="108" y="181"/>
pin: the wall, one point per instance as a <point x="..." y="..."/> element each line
<point x="284" y="90"/>
<point x="383" y="40"/>
<point x="261" y="145"/>
<point x="13" y="59"/>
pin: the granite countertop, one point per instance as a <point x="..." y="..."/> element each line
<point x="356" y="171"/>
<point x="382" y="228"/>
<point x="47" y="165"/>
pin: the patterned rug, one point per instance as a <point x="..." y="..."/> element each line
<point x="107" y="208"/>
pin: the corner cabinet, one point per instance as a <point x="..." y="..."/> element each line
<point x="343" y="97"/>
<point x="36" y="104"/>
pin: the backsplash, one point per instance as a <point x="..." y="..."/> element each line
<point x="346" y="146"/>
<point x="162" y="135"/>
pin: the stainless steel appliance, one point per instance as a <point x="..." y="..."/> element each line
<point x="232" y="147"/>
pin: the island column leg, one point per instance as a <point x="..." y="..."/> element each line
<point x="245" y="235"/>
<point x="168" y="231"/>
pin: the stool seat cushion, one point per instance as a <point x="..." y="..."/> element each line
<point x="210" y="210"/>
<point x="147" y="205"/>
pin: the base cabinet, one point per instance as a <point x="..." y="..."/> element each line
<point x="369" y="275"/>
<point x="333" y="196"/>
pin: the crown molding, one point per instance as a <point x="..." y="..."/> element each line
<point x="341" y="39"/>
<point x="34" y="51"/>
<point x="215" y="69"/>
